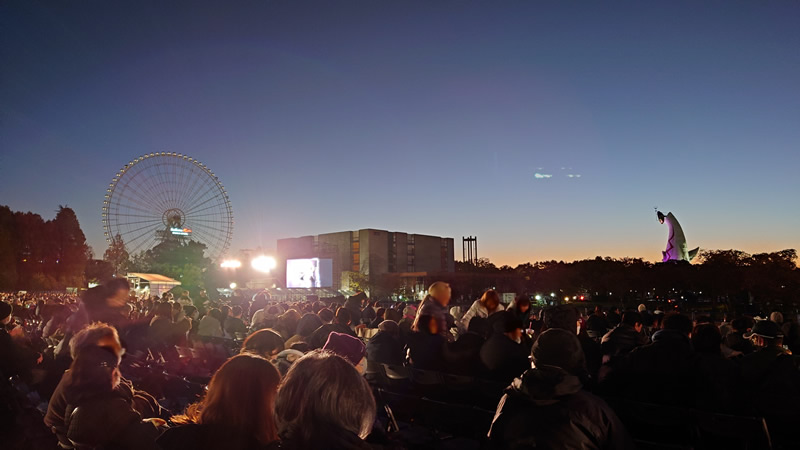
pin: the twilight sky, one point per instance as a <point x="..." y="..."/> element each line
<point x="427" y="117"/>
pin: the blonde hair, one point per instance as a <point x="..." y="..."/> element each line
<point x="436" y="287"/>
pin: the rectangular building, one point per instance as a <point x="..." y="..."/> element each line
<point x="372" y="253"/>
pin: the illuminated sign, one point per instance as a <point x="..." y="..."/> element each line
<point x="180" y="231"/>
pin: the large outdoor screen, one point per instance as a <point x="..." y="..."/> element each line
<point x="308" y="273"/>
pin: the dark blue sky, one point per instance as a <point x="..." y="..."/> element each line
<point x="427" y="117"/>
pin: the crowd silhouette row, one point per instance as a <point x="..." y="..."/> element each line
<point x="107" y="370"/>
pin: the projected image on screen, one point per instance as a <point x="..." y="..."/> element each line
<point x="309" y="272"/>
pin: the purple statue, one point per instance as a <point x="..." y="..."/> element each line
<point x="676" y="244"/>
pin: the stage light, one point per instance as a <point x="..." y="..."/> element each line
<point x="263" y="263"/>
<point x="538" y="297"/>
<point x="231" y="264"/>
<point x="233" y="285"/>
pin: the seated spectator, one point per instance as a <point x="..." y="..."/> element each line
<point x="286" y="324"/>
<point x="565" y="317"/>
<point x="368" y="313"/>
<point x="772" y="380"/>
<point x="97" y="415"/>
<point x="463" y="357"/>
<point x="305" y="327"/>
<point x="597" y="324"/>
<point x="326" y="315"/>
<point x="379" y="317"/>
<point x="521" y="308"/>
<point x="265" y="318"/>
<point x="735" y="340"/>
<point x="286" y="358"/>
<point x="259" y="302"/>
<point x="718" y="376"/>
<point x="161" y="332"/>
<point x="488" y="304"/>
<point x="385" y="346"/>
<point x="211" y="324"/>
<point x="234" y="324"/>
<point x="426" y="345"/>
<point x="325" y="404"/>
<point x="435" y="305"/>
<point x="265" y="343"/>
<point x="503" y="354"/>
<point x="614" y="316"/>
<point x="15" y="359"/>
<point x="405" y="320"/>
<point x="95" y="335"/>
<point x="624" y="337"/>
<point x="233" y="415"/>
<point x="668" y="363"/>
<point x="340" y="325"/>
<point x="546" y="407"/>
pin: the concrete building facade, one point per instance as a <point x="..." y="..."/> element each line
<point x="372" y="253"/>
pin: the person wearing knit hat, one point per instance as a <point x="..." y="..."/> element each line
<point x="548" y="406"/>
<point x="346" y="346"/>
<point x="385" y="347"/>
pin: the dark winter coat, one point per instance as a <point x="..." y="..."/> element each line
<point x="385" y="348"/>
<point x="662" y="372"/>
<point x="547" y="409"/>
<point x="621" y="340"/>
<point x="426" y="350"/>
<point x="207" y="437"/>
<point x="504" y="359"/>
<point x="108" y="421"/>
<point x="463" y="356"/>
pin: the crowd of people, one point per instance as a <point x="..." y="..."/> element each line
<point x="309" y="374"/>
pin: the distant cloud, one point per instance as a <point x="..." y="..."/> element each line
<point x="540" y="176"/>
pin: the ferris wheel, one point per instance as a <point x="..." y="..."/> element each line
<point x="168" y="195"/>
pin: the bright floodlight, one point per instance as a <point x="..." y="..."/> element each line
<point x="231" y="264"/>
<point x="263" y="263"/>
<point x="233" y="285"/>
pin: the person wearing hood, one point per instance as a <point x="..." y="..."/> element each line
<point x="547" y="407"/>
<point x="624" y="337"/>
<point x="385" y="347"/>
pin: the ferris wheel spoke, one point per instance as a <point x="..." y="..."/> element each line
<point x="137" y="215"/>
<point x="146" y="244"/>
<point x="154" y="226"/>
<point x="154" y="222"/>
<point x="140" y="236"/>
<point x="147" y="196"/>
<point x="194" y="209"/>
<point x="196" y="177"/>
<point x="197" y="196"/>
<point x="145" y="189"/>
<point x="144" y="207"/>
<point x="158" y="181"/>
<point x="188" y="180"/>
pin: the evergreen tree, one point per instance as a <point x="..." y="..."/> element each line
<point x="117" y="256"/>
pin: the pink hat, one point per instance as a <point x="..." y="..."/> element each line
<point x="346" y="346"/>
